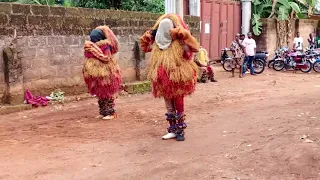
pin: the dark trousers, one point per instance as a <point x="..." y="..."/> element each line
<point x="248" y="60"/>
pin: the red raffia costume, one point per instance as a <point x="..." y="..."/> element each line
<point x="101" y="71"/>
<point x="173" y="73"/>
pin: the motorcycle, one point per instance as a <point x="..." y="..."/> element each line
<point x="316" y="65"/>
<point x="262" y="55"/>
<point x="277" y="55"/>
<point x="293" y="60"/>
<point x="258" y="63"/>
<point x="224" y="55"/>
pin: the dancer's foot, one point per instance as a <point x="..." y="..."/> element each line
<point x="180" y="137"/>
<point x="213" y="80"/>
<point x="109" y="117"/>
<point x="98" y="117"/>
<point x="169" y="136"/>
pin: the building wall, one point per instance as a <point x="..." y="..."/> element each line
<point x="47" y="45"/>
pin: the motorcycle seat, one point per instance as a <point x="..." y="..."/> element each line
<point x="301" y="55"/>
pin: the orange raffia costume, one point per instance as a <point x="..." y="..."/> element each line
<point x="173" y="73"/>
<point x="101" y="71"/>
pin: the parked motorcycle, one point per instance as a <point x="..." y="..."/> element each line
<point x="262" y="55"/>
<point x="293" y="60"/>
<point x="277" y="55"/>
<point x="224" y="55"/>
<point x="316" y="65"/>
<point x="258" y="65"/>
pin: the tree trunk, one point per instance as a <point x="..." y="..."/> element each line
<point x="281" y="33"/>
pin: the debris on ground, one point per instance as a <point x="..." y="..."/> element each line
<point x="35" y="101"/>
<point x="56" y="96"/>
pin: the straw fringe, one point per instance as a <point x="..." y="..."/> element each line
<point x="172" y="75"/>
<point x="180" y="70"/>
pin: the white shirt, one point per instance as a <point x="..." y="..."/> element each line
<point x="250" y="45"/>
<point x="298" y="42"/>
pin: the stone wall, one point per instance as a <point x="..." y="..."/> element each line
<point x="268" y="38"/>
<point x="47" y="45"/>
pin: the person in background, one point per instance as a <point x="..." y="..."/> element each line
<point x="318" y="40"/>
<point x="250" y="46"/>
<point x="242" y="37"/>
<point x="298" y="43"/>
<point x="312" y="40"/>
<point x="238" y="55"/>
<point x="202" y="60"/>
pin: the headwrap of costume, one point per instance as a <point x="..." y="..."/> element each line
<point x="172" y="73"/>
<point x="101" y="71"/>
<point x="163" y="37"/>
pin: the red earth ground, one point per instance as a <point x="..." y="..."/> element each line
<point x="259" y="127"/>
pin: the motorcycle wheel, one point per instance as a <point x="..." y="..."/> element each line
<point x="227" y="65"/>
<point x="316" y="66"/>
<point x="270" y="63"/>
<point x="278" y="65"/>
<point x="308" y="69"/>
<point x="258" y="66"/>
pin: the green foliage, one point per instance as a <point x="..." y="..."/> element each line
<point x="261" y="9"/>
<point x="154" y="6"/>
<point x="283" y="9"/>
<point x="256" y="24"/>
<point x="99" y="4"/>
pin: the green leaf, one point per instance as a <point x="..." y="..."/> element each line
<point x="283" y="13"/>
<point x="294" y="7"/>
<point x="301" y="16"/>
<point x="256" y="2"/>
<point x="304" y="2"/>
<point x="284" y="3"/>
<point x="256" y="24"/>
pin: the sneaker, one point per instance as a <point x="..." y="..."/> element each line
<point x="180" y="137"/>
<point x="109" y="117"/>
<point x="169" y="136"/>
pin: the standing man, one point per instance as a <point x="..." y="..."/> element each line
<point x="250" y="46"/>
<point x="318" y="40"/>
<point x="298" y="43"/>
<point x="312" y="41"/>
<point x="238" y="55"/>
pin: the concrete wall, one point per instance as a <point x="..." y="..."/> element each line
<point x="268" y="38"/>
<point x="47" y="44"/>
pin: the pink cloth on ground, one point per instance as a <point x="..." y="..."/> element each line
<point x="35" y="100"/>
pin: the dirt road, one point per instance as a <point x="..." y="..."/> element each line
<point x="246" y="128"/>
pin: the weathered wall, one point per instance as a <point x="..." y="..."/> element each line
<point x="48" y="43"/>
<point x="268" y="38"/>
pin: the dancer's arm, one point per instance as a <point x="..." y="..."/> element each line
<point x="146" y="41"/>
<point x="186" y="37"/>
